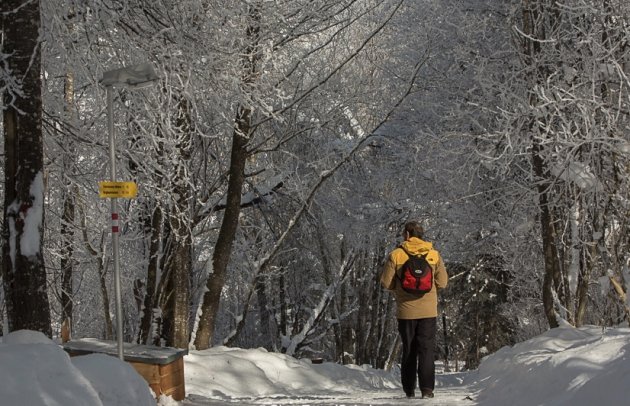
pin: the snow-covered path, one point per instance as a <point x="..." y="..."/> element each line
<point x="449" y="392"/>
<point x="449" y="397"/>
<point x="452" y="396"/>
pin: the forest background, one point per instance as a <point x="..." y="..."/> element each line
<point x="282" y="150"/>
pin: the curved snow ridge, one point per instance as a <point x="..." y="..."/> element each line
<point x="559" y="367"/>
<point x="257" y="373"/>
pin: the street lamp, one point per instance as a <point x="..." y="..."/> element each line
<point x="132" y="77"/>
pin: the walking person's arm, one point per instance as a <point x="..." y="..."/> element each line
<point x="441" y="277"/>
<point x="388" y="274"/>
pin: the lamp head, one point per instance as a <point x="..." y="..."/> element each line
<point x="131" y="77"/>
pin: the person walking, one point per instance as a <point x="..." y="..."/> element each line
<point x="416" y="313"/>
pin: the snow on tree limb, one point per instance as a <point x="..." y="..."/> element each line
<point x="318" y="311"/>
<point x="263" y="264"/>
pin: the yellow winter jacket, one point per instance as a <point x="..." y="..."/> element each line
<point x="411" y="306"/>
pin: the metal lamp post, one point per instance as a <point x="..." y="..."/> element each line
<point x="132" y="77"/>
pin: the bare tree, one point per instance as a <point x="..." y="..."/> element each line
<point x="561" y="110"/>
<point x="245" y="128"/>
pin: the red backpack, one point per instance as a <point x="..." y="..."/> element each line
<point x="416" y="274"/>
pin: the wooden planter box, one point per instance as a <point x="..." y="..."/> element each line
<point x="161" y="367"/>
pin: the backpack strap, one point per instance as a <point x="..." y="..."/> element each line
<point x="406" y="252"/>
<point x="399" y="270"/>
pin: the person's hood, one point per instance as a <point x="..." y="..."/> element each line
<point x="416" y="246"/>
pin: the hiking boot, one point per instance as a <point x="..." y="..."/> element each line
<point x="427" y="393"/>
<point x="411" y="394"/>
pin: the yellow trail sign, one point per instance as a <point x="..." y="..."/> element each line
<point x="117" y="189"/>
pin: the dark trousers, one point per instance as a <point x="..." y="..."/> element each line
<point x="418" y="353"/>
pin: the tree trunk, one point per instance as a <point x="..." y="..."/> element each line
<point x="282" y="297"/>
<point x="178" y="263"/>
<point x="23" y="268"/>
<point x="581" y="295"/>
<point x="176" y="308"/>
<point x="266" y="340"/>
<point x="548" y="238"/>
<point x="66" y="262"/>
<point x="227" y="232"/>
<point x="107" y="317"/>
<point x="153" y="228"/>
<point x="229" y="224"/>
<point x="176" y="294"/>
<point x="533" y="28"/>
<point x="100" y="257"/>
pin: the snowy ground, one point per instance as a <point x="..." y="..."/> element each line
<point x="564" y="366"/>
<point x="452" y="396"/>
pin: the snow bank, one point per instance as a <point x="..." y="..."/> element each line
<point x="106" y="373"/>
<point x="564" y="366"/>
<point x="231" y="373"/>
<point x="35" y="371"/>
